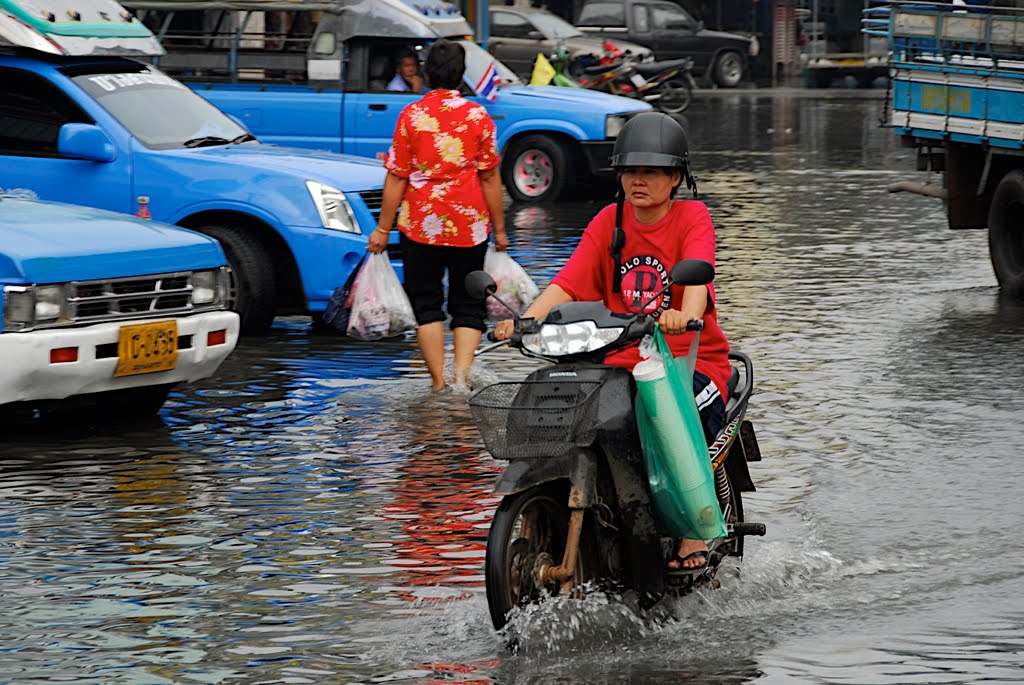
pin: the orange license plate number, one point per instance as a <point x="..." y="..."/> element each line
<point x="147" y="348"/>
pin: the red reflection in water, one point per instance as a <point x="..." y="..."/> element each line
<point x="444" y="501"/>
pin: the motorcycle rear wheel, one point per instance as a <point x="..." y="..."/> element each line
<point x="526" y="526"/>
<point x="675" y="96"/>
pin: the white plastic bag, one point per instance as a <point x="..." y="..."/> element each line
<point x="515" y="287"/>
<point x="380" y="307"/>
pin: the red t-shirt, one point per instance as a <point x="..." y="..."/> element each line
<point x="441" y="141"/>
<point x="650" y="252"/>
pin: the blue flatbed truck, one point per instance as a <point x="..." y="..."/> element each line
<point x="956" y="94"/>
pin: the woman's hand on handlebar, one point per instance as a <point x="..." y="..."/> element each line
<point x="503" y="330"/>
<point x="673" y="322"/>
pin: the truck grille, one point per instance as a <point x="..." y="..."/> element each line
<point x="128" y="298"/>
<point x="373" y="199"/>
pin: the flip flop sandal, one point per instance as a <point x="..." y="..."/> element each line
<point x="682" y="570"/>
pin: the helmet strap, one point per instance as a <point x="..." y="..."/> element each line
<point x="691" y="181"/>
<point x="618" y="238"/>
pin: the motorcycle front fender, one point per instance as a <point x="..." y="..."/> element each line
<point x="579" y="468"/>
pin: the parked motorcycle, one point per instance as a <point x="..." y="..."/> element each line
<point x="576" y="505"/>
<point x="668" y="85"/>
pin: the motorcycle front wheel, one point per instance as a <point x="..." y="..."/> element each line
<point x="528" y="532"/>
<point x="675" y="96"/>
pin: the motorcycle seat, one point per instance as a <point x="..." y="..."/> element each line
<point x="652" y="68"/>
<point x="601" y="68"/>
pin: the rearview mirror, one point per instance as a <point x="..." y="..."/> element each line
<point x="85" y="141"/>
<point x="535" y="35"/>
<point x="692" y="272"/>
<point x="479" y="285"/>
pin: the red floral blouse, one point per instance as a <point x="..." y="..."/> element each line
<point x="441" y="141"/>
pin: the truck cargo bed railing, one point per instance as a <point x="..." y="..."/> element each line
<point x="971" y="36"/>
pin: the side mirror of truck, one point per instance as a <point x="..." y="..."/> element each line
<point x="85" y="141"/>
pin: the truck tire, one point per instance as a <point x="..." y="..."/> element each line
<point x="727" y="71"/>
<point x="252" y="291"/>
<point x="1006" y="233"/>
<point x="536" y="169"/>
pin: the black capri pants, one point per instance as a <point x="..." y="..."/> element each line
<point x="424" y="267"/>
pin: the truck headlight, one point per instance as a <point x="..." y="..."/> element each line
<point x="754" y="47"/>
<point x="19" y="306"/>
<point x="613" y="123"/>
<point x="49" y="302"/>
<point x="334" y="209"/>
<point x="25" y="306"/>
<point x="204" y="287"/>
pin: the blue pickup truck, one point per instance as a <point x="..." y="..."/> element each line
<point x="315" y="73"/>
<point x="84" y="124"/>
<point x="105" y="310"/>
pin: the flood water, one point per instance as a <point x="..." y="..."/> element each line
<point x="314" y="515"/>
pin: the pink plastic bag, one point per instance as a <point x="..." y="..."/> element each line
<point x="380" y="307"/>
<point x="515" y="287"/>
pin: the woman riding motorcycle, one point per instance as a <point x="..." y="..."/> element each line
<point x="624" y="258"/>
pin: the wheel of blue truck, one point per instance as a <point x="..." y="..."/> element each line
<point x="675" y="96"/>
<point x="728" y="69"/>
<point x="536" y="169"/>
<point x="1006" y="233"/>
<point x="252" y="287"/>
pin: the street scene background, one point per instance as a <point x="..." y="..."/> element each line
<point x="312" y="514"/>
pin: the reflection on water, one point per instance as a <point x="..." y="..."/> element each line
<point x="314" y="514"/>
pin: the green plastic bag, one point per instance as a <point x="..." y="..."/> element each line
<point x="675" y="452"/>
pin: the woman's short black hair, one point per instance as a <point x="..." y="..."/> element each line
<point x="445" y="65"/>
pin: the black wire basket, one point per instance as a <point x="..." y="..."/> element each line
<point x="536" y="419"/>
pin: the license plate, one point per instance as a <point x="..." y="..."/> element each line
<point x="147" y="348"/>
<point x="638" y="80"/>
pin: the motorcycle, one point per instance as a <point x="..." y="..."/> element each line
<point x="576" y="509"/>
<point x="668" y="85"/>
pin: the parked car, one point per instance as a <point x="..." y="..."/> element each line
<point x="519" y="34"/>
<point x="671" y="32"/>
<point x="325" y="87"/>
<point x="86" y="126"/>
<point x="106" y="308"/>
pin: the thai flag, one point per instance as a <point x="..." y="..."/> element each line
<point x="487" y="87"/>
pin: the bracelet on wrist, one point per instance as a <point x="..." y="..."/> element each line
<point x="381" y="230"/>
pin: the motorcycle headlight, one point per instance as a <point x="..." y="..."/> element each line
<point x="334" y="209"/>
<point x="574" y="338"/>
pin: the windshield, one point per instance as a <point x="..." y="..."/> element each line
<point x="553" y="26"/>
<point x="161" y="112"/>
<point x="477" y="61"/>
